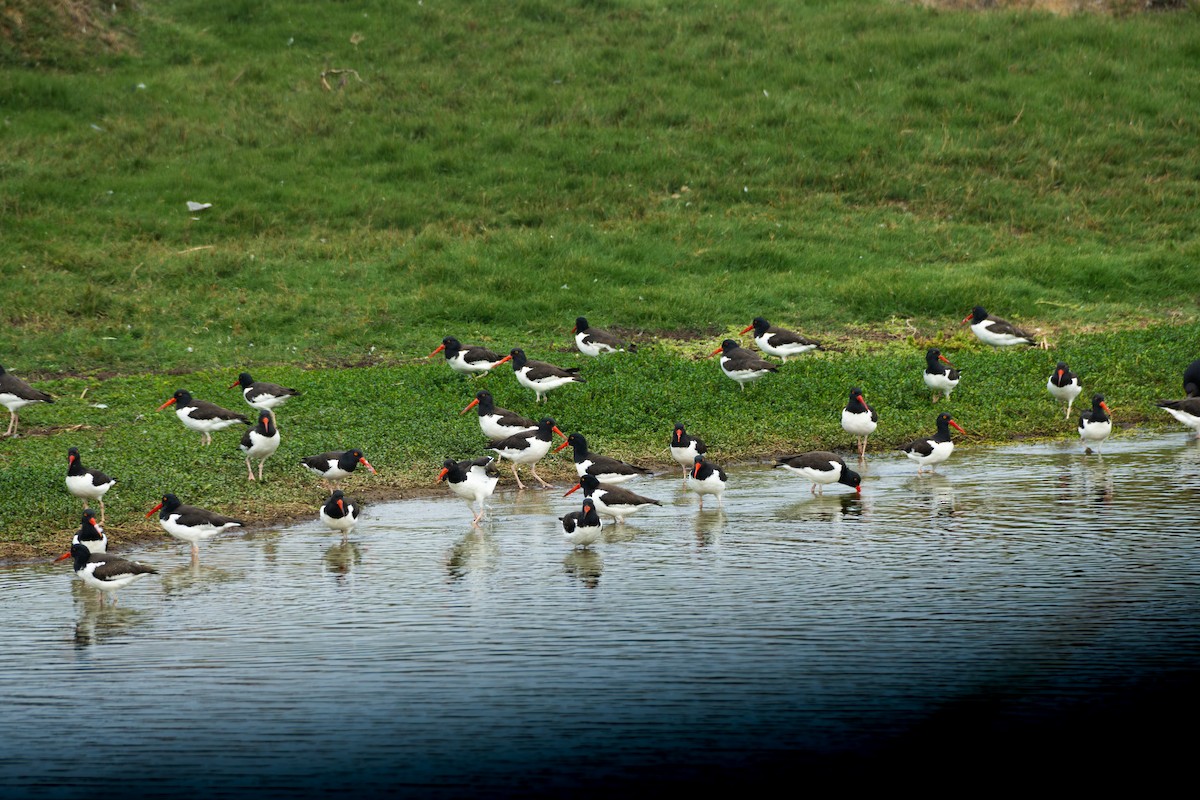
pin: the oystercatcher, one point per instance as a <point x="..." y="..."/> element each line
<point x="582" y="528"/>
<point x="203" y="416"/>
<point x="261" y="395"/>
<point x="473" y="480"/>
<point x="685" y="448"/>
<point x="106" y="572"/>
<point x="707" y="478"/>
<point x="334" y="467"/>
<point x="528" y="447"/>
<point x="1064" y="385"/>
<point x="595" y="342"/>
<point x="995" y="331"/>
<point x="1191" y="379"/>
<point x="606" y="470"/>
<point x="90" y="535"/>
<point x="16" y="394"/>
<point x="931" y="451"/>
<point x="191" y="524"/>
<point x="822" y="468"/>
<point x="937" y="377"/>
<point x="497" y="422"/>
<point x="740" y="364"/>
<point x="779" y="341"/>
<point x="87" y="484"/>
<point x="1186" y="411"/>
<point x="859" y="420"/>
<point x="468" y="359"/>
<point x="612" y="501"/>
<point x="1095" y="425"/>
<point x="260" y="442"/>
<point x="540" y="376"/>
<point x="340" y="513"/>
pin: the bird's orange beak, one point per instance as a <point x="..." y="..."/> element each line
<point x="1105" y="407"/>
<point x="362" y="460"/>
<point x="574" y="329"/>
<point x="440" y="348"/>
<point x="560" y="433"/>
<point x="572" y="489"/>
<point x="62" y="557"/>
<point x="164" y="405"/>
<point x="156" y="508"/>
<point x="470" y="405"/>
<point x="747" y="329"/>
<point x="695" y="468"/>
<point x="561" y="446"/>
<point x="967" y="318"/>
<point x="235" y="383"/>
<point x="864" y="402"/>
<point x="714" y="352"/>
<point x="341" y="504"/>
<point x="956" y="425"/>
<point x="945" y="360"/>
<point x="442" y="474"/>
<point x="506" y="358"/>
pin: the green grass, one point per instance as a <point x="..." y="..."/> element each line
<point x="858" y="171"/>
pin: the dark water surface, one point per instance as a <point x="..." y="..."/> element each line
<point x="1027" y="606"/>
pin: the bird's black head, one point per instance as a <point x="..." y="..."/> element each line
<point x="1062" y="365"/>
<point x="850" y="478"/>
<point x="760" y="325"/>
<point x="518" y="357"/>
<point x="170" y="502"/>
<point x="244" y="380"/>
<point x="855" y="392"/>
<point x="589" y="482"/>
<point x="581" y="324"/>
<point x="729" y="344"/>
<point x="978" y="314"/>
<point x="182" y="397"/>
<point x="577" y="441"/>
<point x="72" y="455"/>
<point x="80" y="553"/>
<point x="88" y="519"/>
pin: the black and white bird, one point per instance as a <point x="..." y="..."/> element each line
<point x="90" y="535"/>
<point x="1064" y="385"/>
<point x="740" y="364"/>
<point x="468" y="359"/>
<point x="582" y="528"/>
<point x="1186" y="411"/>
<point x="995" y="331"/>
<point x="595" y="342"/>
<point x="612" y="501"/>
<point x="859" y="420"/>
<point x="821" y="468"/>
<point x="1191" y="379"/>
<point x="605" y="468"/>
<point x="540" y="376"/>
<point x="191" y="524"/>
<point x="685" y="448"/>
<point x="106" y="572"/>
<point x="707" y="478"/>
<point x="203" y="416"/>
<point x="340" y="513"/>
<point x="262" y="395"/>
<point x="260" y="442"/>
<point x="529" y="448"/>
<point x="933" y="450"/>
<point x="497" y="422"/>
<point x="334" y="467"/>
<point x="779" y="341"/>
<point x="15" y="394"/>
<point x="87" y="484"/>
<point x="940" y="379"/>
<point x="1095" y="425"/>
<point x="473" y="480"/>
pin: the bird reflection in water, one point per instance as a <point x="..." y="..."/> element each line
<point x="584" y="564"/>
<point x="709" y="527"/>
<point x="475" y="551"/>
<point x="1098" y="481"/>
<point x="342" y="558"/>
<point x="98" y="623"/>
<point x="195" y="575"/>
<point x="825" y="508"/>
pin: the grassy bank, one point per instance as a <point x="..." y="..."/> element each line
<point x="384" y="174"/>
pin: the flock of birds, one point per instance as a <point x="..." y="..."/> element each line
<point x="520" y="440"/>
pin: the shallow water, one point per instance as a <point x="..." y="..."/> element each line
<point x="1021" y="595"/>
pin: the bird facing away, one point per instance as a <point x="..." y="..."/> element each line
<point x="334" y="467"/>
<point x="260" y="442"/>
<point x="995" y="331"/>
<point x="1064" y="385"/>
<point x="261" y="395"/>
<point x="468" y="359"/>
<point x="582" y="528"/>
<point x="1191" y="379"/>
<point x="1186" y="411"/>
<point x="779" y="342"/>
<point x="595" y="342"/>
<point x="859" y="420"/>
<point x="740" y="364"/>
<point x="707" y="478"/>
<point x="473" y="480"/>
<point x="339" y="513"/>
<point x="191" y="524"/>
<point x="685" y="448"/>
<point x="933" y="450"/>
<point x="940" y="379"/>
<point x="87" y="484"/>
<point x="540" y="376"/>
<point x="15" y="394"/>
<point x="1095" y="425"/>
<point x="203" y="416"/>
<point x="821" y="468"/>
<point x="106" y="572"/>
